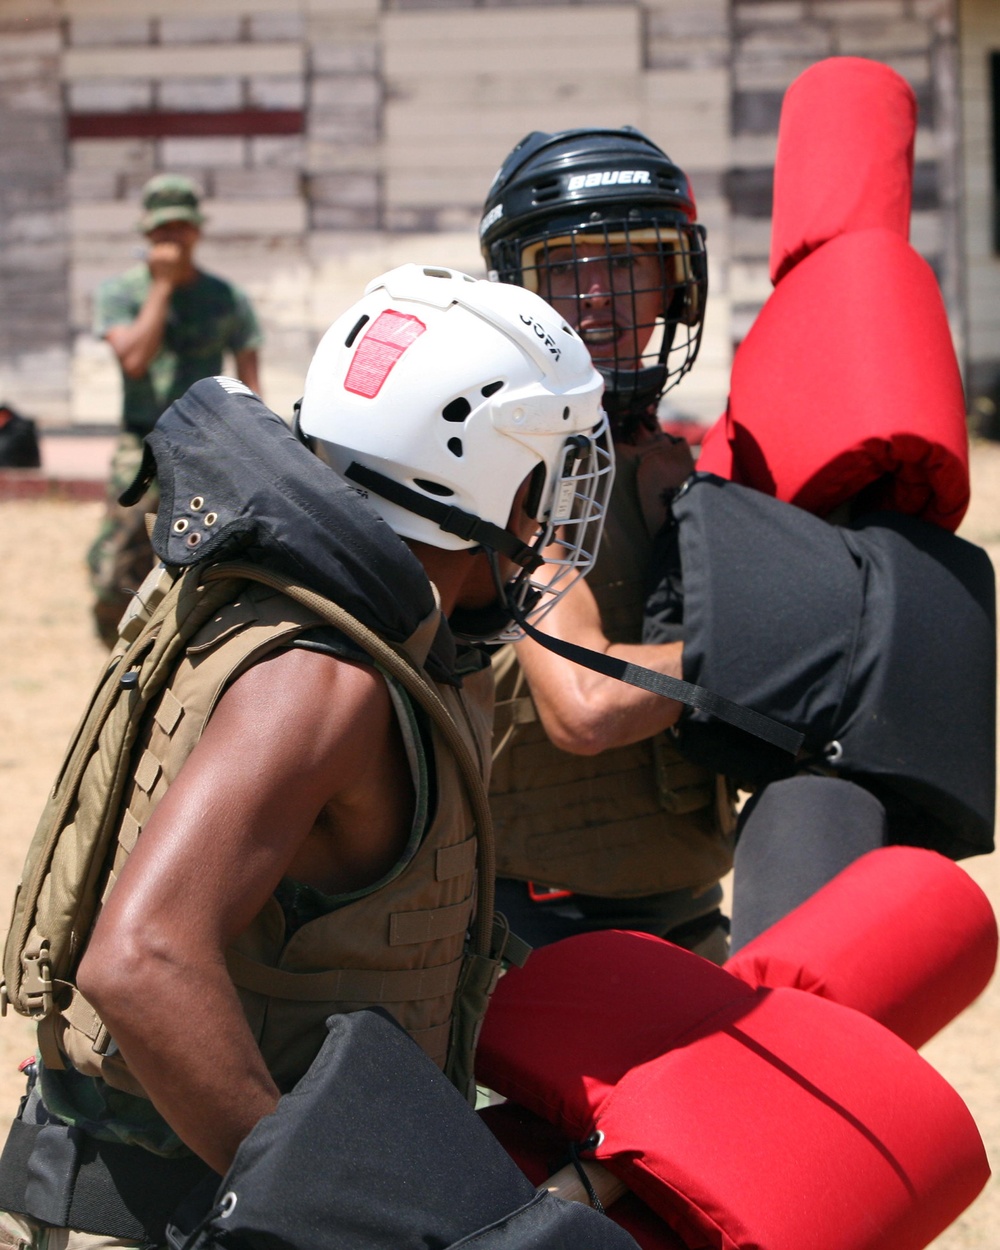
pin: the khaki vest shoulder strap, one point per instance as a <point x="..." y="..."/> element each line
<point x="482" y="961"/>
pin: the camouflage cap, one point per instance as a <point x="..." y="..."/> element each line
<point x="170" y="197"/>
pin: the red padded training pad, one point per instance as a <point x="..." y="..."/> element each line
<point x="903" y="935"/>
<point x="794" y="1122"/>
<point x="848" y="378"/>
<point x="845" y="157"/>
<point x="742" y="1117"/>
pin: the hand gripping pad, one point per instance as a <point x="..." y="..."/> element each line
<point x="903" y="935"/>
<point x="540" y="1150"/>
<point x="743" y="1118"/>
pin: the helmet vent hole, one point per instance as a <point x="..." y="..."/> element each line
<point x="437" y="273"/>
<point x="432" y="488"/>
<point x="349" y="341"/>
<point x="565" y="414"/>
<point x="455" y="446"/>
<point x="491" y="388"/>
<point x="457" y="410"/>
<point x="544" y="191"/>
<point x="569" y="330"/>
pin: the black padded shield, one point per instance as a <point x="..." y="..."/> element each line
<point x="274" y="502"/>
<point x="877" y="641"/>
<point x="375" y="1150"/>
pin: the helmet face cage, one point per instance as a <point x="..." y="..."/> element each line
<point x="572" y="520"/>
<point x="635" y="293"/>
<point x="603" y="224"/>
<point x="455" y="403"/>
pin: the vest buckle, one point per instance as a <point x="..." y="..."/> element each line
<point x="37" y="983"/>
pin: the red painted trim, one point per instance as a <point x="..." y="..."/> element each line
<point x="157" y="125"/>
<point x="20" y="484"/>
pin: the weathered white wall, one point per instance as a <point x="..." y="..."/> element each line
<point x="980" y="35"/>
<point x="409" y="107"/>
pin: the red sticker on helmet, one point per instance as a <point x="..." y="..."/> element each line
<point x="391" y="333"/>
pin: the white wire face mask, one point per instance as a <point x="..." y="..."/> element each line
<point x="573" y="518"/>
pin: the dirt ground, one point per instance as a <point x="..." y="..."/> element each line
<point x="49" y="660"/>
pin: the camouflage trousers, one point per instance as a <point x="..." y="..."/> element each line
<point x="120" y="556"/>
<point x="19" y="1232"/>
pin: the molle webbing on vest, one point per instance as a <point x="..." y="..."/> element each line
<point x="631" y="821"/>
<point x="56" y="900"/>
<point x="618" y="577"/>
<point x="402" y="944"/>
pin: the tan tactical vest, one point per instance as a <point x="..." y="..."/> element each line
<point x="399" y="947"/>
<point x="629" y="822"/>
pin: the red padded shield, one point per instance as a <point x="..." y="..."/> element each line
<point x="794" y="1123"/>
<point x="847" y="381"/>
<point x="742" y="1117"/>
<point x="844" y="159"/>
<point x="903" y="935"/>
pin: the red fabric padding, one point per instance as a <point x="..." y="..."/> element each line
<point x="562" y="1031"/>
<point x="716" y="450"/>
<point x="741" y="1117"/>
<point x="797" y="1123"/>
<point x="848" y="380"/>
<point x="903" y="935"/>
<point x="845" y="157"/>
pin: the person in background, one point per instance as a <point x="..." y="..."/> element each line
<point x="170" y="324"/>
<point x="600" y="822"/>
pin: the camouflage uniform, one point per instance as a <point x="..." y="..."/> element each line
<point x="207" y="318"/>
<point x="120" y="556"/>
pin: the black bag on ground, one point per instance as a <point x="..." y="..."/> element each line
<point x="375" y="1150"/>
<point x="877" y="641"/>
<point x="18" y="440"/>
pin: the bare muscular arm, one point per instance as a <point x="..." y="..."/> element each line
<point x="279" y="784"/>
<point x="585" y="712"/>
<point x="582" y="711"/>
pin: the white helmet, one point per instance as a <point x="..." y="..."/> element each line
<point x="440" y="395"/>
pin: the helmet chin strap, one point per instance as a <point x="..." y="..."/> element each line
<point x="741" y="717"/>
<point x="447" y="517"/>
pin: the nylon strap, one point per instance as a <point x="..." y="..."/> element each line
<point x="428" y="698"/>
<point x="346" y="985"/>
<point x="745" y="718"/>
<point x="449" y="518"/>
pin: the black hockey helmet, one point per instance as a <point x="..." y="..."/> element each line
<point x="597" y="217"/>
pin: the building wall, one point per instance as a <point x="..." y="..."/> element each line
<point x="980" y="35"/>
<point x="34" y="305"/>
<point x="336" y="138"/>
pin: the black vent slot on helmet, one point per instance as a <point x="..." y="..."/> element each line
<point x="491" y="388"/>
<point x="542" y="192"/>
<point x="457" y="410"/>
<point x="432" y="488"/>
<point x="455" y="446"/>
<point x="349" y="341"/>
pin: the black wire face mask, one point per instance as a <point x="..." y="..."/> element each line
<point x="636" y="295"/>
